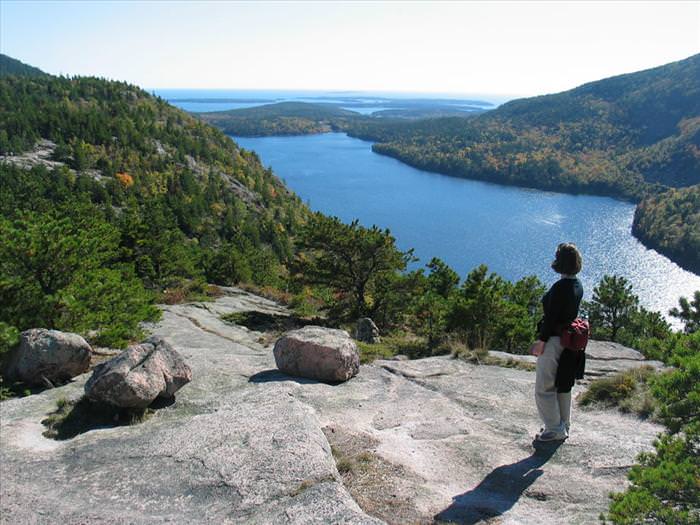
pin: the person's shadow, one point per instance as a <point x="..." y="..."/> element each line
<point x="500" y="489"/>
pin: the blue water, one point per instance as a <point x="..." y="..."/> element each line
<point x="514" y="231"/>
<point x="366" y="110"/>
<point x="360" y="102"/>
<point x="202" y="107"/>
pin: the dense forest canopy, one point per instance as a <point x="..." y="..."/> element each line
<point x="283" y="118"/>
<point x="171" y="200"/>
<point x="670" y="222"/>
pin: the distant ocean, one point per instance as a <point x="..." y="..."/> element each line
<point x="202" y="100"/>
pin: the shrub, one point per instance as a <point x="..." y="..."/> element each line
<point x="628" y="391"/>
<point x="109" y="303"/>
<point x="180" y="291"/>
<point x="60" y="270"/>
<point x="665" y="487"/>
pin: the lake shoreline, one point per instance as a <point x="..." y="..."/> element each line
<point x="467" y="222"/>
<point x="680" y="261"/>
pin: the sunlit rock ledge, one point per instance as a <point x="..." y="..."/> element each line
<point x="435" y="439"/>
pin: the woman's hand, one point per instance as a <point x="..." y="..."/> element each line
<point x="537" y="348"/>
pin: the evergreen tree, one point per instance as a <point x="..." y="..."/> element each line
<point x="612" y="308"/>
<point x="477" y="307"/>
<point x="60" y="269"/>
<point x="665" y="486"/>
<point x="688" y="312"/>
<point x="356" y="262"/>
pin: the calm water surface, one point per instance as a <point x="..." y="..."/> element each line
<point x="204" y="100"/>
<point x="514" y="231"/>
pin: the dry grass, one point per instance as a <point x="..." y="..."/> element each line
<point x="268" y="292"/>
<point x="628" y="391"/>
<point x="380" y="488"/>
<point x="481" y="356"/>
<point x="187" y="291"/>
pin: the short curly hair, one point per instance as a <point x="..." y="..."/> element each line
<point x="568" y="259"/>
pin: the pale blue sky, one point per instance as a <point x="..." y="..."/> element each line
<point x="512" y="48"/>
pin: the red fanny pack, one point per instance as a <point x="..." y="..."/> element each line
<point x="575" y="336"/>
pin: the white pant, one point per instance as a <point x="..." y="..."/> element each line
<point x="554" y="408"/>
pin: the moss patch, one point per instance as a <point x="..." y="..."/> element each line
<point x="264" y="322"/>
<point x="272" y="325"/>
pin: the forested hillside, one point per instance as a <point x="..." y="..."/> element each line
<point x="621" y="136"/>
<point x="110" y="196"/>
<point x="670" y="223"/>
<point x="284" y="118"/>
<point x="307" y="118"/>
<point x="11" y="66"/>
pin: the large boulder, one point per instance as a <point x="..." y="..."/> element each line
<point x="367" y="331"/>
<point x="45" y="357"/>
<point x="140" y="374"/>
<point x="317" y="353"/>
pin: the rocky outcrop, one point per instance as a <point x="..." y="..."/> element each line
<point x="319" y="353"/>
<point x="603" y="358"/>
<point x="45" y="357"/>
<point x="42" y="155"/>
<point x="139" y="375"/>
<point x="367" y="331"/>
<point x="415" y="441"/>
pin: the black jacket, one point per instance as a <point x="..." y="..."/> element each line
<point x="572" y="365"/>
<point x="560" y="306"/>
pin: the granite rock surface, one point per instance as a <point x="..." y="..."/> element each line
<point x="424" y="441"/>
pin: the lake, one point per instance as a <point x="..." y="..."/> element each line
<point x="514" y="231"/>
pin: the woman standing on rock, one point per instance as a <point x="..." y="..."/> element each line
<point x="561" y="304"/>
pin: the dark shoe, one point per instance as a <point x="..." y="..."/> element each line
<point x="551" y="435"/>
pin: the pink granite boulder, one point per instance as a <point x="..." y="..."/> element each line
<point x="317" y="353"/>
<point x="46" y="357"/>
<point x="139" y="375"/>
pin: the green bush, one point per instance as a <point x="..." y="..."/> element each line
<point x="627" y="390"/>
<point x="665" y="486"/>
<point x="60" y="269"/>
<point x="108" y="303"/>
<point x="397" y="344"/>
<point x="9" y="338"/>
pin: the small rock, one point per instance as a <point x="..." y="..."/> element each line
<point x="367" y="331"/>
<point x="47" y="356"/>
<point x="317" y="353"/>
<point x="140" y="374"/>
